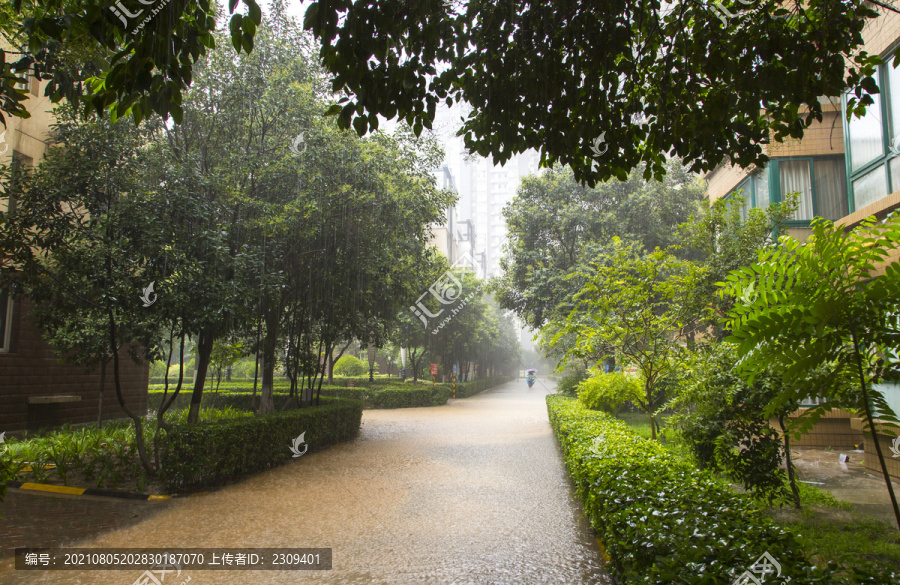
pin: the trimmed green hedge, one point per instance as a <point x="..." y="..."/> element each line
<point x="209" y="454"/>
<point x="403" y="397"/>
<point x="376" y="396"/>
<point x="663" y="521"/>
<point x="363" y="381"/>
<point x="350" y="393"/>
<point x="237" y="400"/>
<point x="466" y="389"/>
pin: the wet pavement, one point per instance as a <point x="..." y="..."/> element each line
<point x="849" y="482"/>
<point x="33" y="518"/>
<point x="475" y="492"/>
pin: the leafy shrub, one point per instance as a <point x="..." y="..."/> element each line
<point x="350" y="366"/>
<point x="568" y="385"/>
<point x="721" y="418"/>
<point x="107" y="456"/>
<point x="212" y="453"/>
<point x="609" y="392"/>
<point x="663" y="521"/>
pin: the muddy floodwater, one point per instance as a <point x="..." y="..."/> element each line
<point x="472" y="492"/>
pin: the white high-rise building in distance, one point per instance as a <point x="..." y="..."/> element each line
<point x="484" y="189"/>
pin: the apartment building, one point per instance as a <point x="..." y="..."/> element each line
<point x="844" y="171"/>
<point x="484" y="191"/>
<point x="36" y="388"/>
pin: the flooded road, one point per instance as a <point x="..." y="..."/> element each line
<point x="472" y="492"/>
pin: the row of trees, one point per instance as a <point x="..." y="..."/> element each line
<point x="257" y="222"/>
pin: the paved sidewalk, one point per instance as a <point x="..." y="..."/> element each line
<point x="474" y="492"/>
<point x="850" y="482"/>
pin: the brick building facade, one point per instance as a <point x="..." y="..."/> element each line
<point x="38" y="390"/>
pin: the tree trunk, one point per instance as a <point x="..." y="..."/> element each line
<point x="795" y="491"/>
<point x="166" y="401"/>
<point x="649" y="390"/>
<point x="138" y="423"/>
<point x="332" y="361"/>
<point x="204" y="348"/>
<point x="267" y="398"/>
<point x="414" y="359"/>
<point x="102" y="384"/>
<point x="871" y="420"/>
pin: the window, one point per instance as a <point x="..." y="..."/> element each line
<point x="6" y="312"/>
<point x="873" y="142"/>
<point x="866" y="136"/>
<point x="755" y="191"/>
<point x="831" y="188"/>
<point x="820" y="182"/>
<point x="796" y="178"/>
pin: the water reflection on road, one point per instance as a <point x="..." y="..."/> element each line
<point x="472" y="492"/>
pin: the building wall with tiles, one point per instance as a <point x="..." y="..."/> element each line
<point x="890" y="462"/>
<point x="723" y="179"/>
<point x="833" y="431"/>
<point x="881" y="34"/>
<point x="821" y="138"/>
<point x="33" y="369"/>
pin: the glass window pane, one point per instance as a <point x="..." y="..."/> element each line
<point x="831" y="189"/>
<point x="866" y="135"/>
<point x="895" y="173"/>
<point x="761" y="184"/>
<point x="795" y="179"/>
<point x="869" y="188"/>
<point x="744" y="191"/>
<point x="893" y="75"/>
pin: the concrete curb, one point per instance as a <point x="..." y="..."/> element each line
<point x="77" y="491"/>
